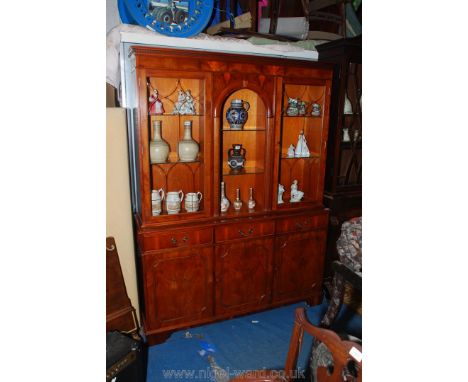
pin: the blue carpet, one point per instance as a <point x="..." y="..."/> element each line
<point x="239" y="344"/>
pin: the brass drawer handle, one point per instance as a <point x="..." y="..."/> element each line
<point x="249" y="232"/>
<point x="305" y="223"/>
<point x="174" y="241"/>
<point x="185" y="239"/>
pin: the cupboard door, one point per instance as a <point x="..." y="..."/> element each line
<point x="299" y="260"/>
<point x="243" y="275"/>
<point x="178" y="286"/>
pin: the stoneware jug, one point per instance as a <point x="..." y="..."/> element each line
<point x="192" y="201"/>
<point x="159" y="149"/>
<point x="188" y="148"/>
<point x="237" y="114"/>
<point x="173" y="201"/>
<point x="157" y="196"/>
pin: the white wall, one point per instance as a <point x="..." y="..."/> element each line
<point x="118" y="207"/>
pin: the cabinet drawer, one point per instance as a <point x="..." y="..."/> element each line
<point x="244" y="230"/>
<point x="301" y="223"/>
<point x="177" y="238"/>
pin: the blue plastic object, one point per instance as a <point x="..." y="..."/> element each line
<point x="169" y="17"/>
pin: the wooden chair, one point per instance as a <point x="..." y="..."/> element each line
<point x="343" y="352"/>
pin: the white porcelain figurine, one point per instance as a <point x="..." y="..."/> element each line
<point x="302" y="150"/>
<point x="280" y="193"/>
<point x="296" y="195"/>
<point x="291" y="151"/>
<point x="180" y="103"/>
<point x="188" y="106"/>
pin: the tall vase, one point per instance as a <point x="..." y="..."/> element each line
<point x="159" y="149"/>
<point x="224" y="201"/>
<point x="188" y="148"/>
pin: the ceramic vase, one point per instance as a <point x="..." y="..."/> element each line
<point x="237" y="203"/>
<point x="237" y="114"/>
<point x="348" y="108"/>
<point x="224" y="201"/>
<point x="159" y="149"/>
<point x="251" y="203"/>
<point x="188" y="149"/>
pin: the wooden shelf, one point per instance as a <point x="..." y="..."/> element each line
<point x="245" y="171"/>
<point x="301" y="116"/>
<point x="313" y="156"/>
<point x="178" y="162"/>
<point x="243" y="130"/>
<point x="175" y="115"/>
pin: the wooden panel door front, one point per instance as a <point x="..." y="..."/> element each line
<point x="179" y="286"/>
<point x="299" y="260"/>
<point x="243" y="275"/>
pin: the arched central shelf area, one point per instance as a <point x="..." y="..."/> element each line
<point x="252" y="137"/>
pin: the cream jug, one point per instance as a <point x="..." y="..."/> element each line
<point x="173" y="201"/>
<point x="157" y="196"/>
<point x="192" y="201"/>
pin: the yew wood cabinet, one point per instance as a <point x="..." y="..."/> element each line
<point x="207" y="265"/>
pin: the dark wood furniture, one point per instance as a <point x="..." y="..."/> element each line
<point x="203" y="266"/>
<point x="120" y="314"/>
<point x="342" y="352"/>
<point x="343" y="192"/>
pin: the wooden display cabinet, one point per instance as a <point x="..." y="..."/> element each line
<point x="198" y="267"/>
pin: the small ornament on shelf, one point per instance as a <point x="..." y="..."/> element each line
<point x="293" y="107"/>
<point x="188" y="105"/>
<point x="301" y="106"/>
<point x="236" y="157"/>
<point x="302" y="151"/>
<point x="237" y="203"/>
<point x="173" y="201"/>
<point x="291" y="152"/>
<point x="316" y="110"/>
<point x="224" y="201"/>
<point x="180" y="102"/>
<point x="280" y="193"/>
<point x="348" y="108"/>
<point x="346" y="137"/>
<point x="157" y="196"/>
<point x="251" y="203"/>
<point x="192" y="201"/>
<point x="296" y="195"/>
<point x="156" y="106"/>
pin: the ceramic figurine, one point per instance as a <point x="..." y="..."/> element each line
<point x="348" y="108"/>
<point x="237" y="114"/>
<point x="188" y="105"/>
<point x="251" y="203"/>
<point x="188" y="149"/>
<point x="356" y="135"/>
<point x="346" y="137"/>
<point x="302" y="151"/>
<point x="173" y="201"/>
<point x="159" y="149"/>
<point x="301" y="106"/>
<point x="224" y="201"/>
<point x="236" y="157"/>
<point x="291" y="151"/>
<point x="280" y="193"/>
<point x="296" y="195"/>
<point x="316" y="110"/>
<point x="292" y="109"/>
<point x="237" y="203"/>
<point x="192" y="201"/>
<point x="180" y="102"/>
<point x="156" y="106"/>
<point x="157" y="196"/>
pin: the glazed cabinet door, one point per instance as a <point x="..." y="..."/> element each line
<point x="298" y="265"/>
<point x="243" y="275"/>
<point x="178" y="286"/>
